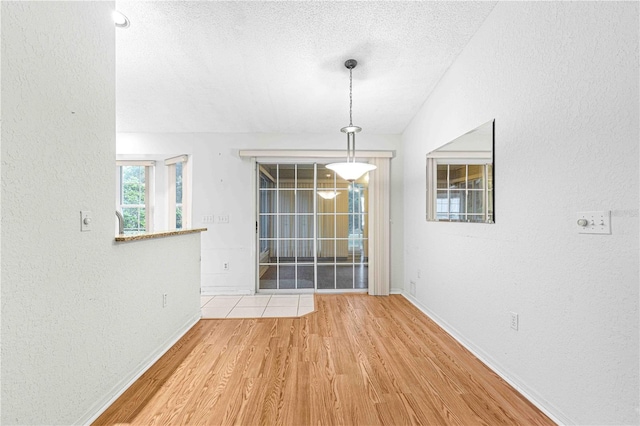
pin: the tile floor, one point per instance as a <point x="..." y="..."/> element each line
<point x="257" y="306"/>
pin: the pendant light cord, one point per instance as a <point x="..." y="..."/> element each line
<point x="350" y="96"/>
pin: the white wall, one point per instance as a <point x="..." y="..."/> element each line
<point x="561" y="81"/>
<point x="223" y="184"/>
<point x="81" y="315"/>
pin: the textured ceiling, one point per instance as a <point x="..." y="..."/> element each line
<point x="268" y="67"/>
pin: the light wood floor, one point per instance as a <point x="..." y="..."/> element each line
<point x="357" y="360"/>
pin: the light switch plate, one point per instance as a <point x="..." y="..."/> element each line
<point x="598" y="222"/>
<point x="85" y="220"/>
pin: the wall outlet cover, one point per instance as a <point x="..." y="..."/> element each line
<point x="514" y="320"/>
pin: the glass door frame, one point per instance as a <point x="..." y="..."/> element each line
<point x="316" y="163"/>
<point x="296" y="214"/>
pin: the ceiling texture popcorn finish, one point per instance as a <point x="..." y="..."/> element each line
<point x="276" y="67"/>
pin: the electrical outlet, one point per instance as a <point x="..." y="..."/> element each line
<point x="419" y="273"/>
<point x="164" y="300"/>
<point x="514" y="320"/>
<point x="225" y="265"/>
<point x="412" y="288"/>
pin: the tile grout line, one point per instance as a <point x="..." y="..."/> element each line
<point x="260" y="316"/>
<point x="207" y="302"/>
<point x="264" y="308"/>
<point x="236" y="305"/>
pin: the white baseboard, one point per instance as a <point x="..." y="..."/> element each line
<point x="225" y="291"/>
<point x="541" y="403"/>
<point x="396" y="290"/>
<point x="101" y="406"/>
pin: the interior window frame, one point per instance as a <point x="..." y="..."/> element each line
<point x="149" y="168"/>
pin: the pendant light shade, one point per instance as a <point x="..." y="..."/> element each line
<point x="328" y="195"/>
<point x="351" y="170"/>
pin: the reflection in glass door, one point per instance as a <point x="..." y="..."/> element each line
<point x="312" y="229"/>
<point x="342" y="232"/>
<point x="286" y="226"/>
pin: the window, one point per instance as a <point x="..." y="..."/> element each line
<point x="135" y="195"/>
<point x="460" y="178"/>
<point x="463" y="193"/>
<point x="178" y="192"/>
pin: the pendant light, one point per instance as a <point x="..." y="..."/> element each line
<point x="351" y="170"/>
<point x="328" y="195"/>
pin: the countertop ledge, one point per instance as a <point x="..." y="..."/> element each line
<point x="160" y="234"/>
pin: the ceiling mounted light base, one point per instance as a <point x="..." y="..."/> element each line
<point x="350" y="170"/>
<point x="351" y="129"/>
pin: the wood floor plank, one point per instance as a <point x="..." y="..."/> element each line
<point x="357" y="360"/>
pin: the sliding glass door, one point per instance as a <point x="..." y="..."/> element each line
<point x="342" y="232"/>
<point x="312" y="229"/>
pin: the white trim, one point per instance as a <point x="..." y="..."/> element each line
<point x="532" y="396"/>
<point x="150" y="197"/>
<point x="146" y="163"/>
<point x="121" y="387"/>
<point x="255" y="203"/>
<point x="208" y="290"/>
<point x="186" y="193"/>
<point x="460" y="161"/>
<point x="270" y="153"/>
<point x="177" y="159"/>
<point x="461" y="157"/>
<point x="264" y="171"/>
<point x="460" y="154"/>
<point x="170" y="163"/>
<point x="171" y="195"/>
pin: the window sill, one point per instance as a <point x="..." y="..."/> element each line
<point x="161" y="234"/>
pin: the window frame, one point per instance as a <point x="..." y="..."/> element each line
<point x="149" y="189"/>
<point x="171" y="191"/>
<point x="433" y="161"/>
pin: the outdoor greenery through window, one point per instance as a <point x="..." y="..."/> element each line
<point x="178" y="191"/>
<point x="179" y="195"/>
<point x="137" y="182"/>
<point x="132" y="198"/>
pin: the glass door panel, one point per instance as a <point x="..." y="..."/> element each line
<point x="326" y="276"/>
<point x="312" y="229"/>
<point x="305" y="274"/>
